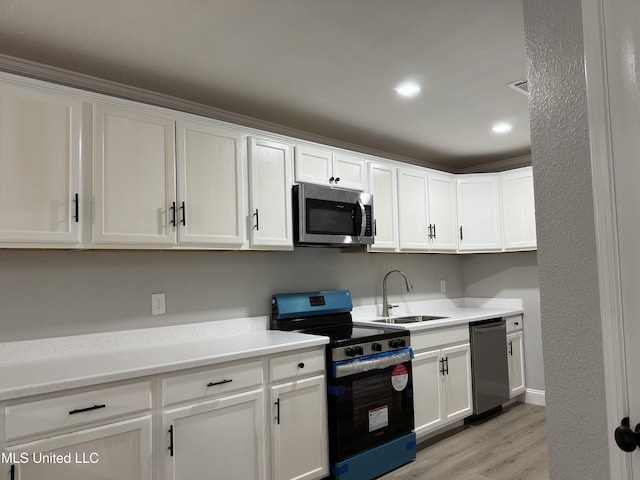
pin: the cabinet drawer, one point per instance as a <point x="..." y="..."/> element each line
<point x="76" y="409"/>
<point x="437" y="338"/>
<point x="210" y="382"/>
<point x="297" y="365"/>
<point x="514" y="323"/>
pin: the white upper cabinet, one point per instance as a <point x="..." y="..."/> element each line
<point x="383" y="187"/>
<point x="210" y="207"/>
<point x="442" y="212"/>
<point x="413" y="209"/>
<point x="325" y="167"/>
<point x="479" y="215"/>
<point x="519" y="222"/>
<point x="133" y="175"/>
<point x="40" y="185"/>
<point x="270" y="177"/>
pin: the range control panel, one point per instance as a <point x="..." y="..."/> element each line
<point x="365" y="348"/>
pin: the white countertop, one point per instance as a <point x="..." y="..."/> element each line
<point x="456" y="311"/>
<point x="47" y="365"/>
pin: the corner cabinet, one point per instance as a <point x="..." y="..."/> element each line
<point x="479" y="213"/>
<point x="134" y="182"/>
<point x="270" y="219"/>
<point x="40" y="186"/>
<point x="518" y="207"/>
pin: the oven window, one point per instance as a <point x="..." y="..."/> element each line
<point x="333" y="218"/>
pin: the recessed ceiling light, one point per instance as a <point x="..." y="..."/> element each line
<point x="502" y="127"/>
<point x="407" y="89"/>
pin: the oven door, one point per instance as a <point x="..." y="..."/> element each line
<point x="370" y="402"/>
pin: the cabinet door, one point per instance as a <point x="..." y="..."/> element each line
<point x="313" y="165"/>
<point x="456" y="383"/>
<point x="383" y="187"/>
<point x="111" y="452"/>
<point x="40" y="166"/>
<point x="479" y="213"/>
<point x="413" y="216"/>
<point x="221" y="439"/>
<point x="133" y="176"/>
<point x="270" y="196"/>
<point x="210" y="208"/>
<point x="442" y="212"/>
<point x="299" y="430"/>
<point x="427" y="391"/>
<point x="348" y="171"/>
<point x="518" y="207"/>
<point x="516" y="363"/>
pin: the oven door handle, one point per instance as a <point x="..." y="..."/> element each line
<point x="363" y="220"/>
<point x="372" y="362"/>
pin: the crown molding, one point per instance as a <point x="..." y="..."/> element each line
<point x="39" y="71"/>
<point x="499" y="166"/>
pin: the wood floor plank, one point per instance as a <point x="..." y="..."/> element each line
<point x="510" y="446"/>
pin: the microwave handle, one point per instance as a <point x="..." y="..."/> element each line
<point x="363" y="223"/>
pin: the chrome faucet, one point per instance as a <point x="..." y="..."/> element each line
<point x="385" y="303"/>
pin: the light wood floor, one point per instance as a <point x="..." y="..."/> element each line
<point x="511" y="446"/>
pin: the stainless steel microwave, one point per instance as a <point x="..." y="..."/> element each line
<point x="325" y="216"/>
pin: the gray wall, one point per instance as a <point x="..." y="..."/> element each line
<point x="570" y="307"/>
<point x="511" y="275"/>
<point x="55" y="293"/>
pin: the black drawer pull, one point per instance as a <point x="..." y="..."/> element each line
<point x="80" y="410"/>
<point x="213" y="384"/>
<point x="301" y="365"/>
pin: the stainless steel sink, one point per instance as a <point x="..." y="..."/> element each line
<point x="409" y="319"/>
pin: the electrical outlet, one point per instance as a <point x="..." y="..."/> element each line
<point x="443" y="286"/>
<point x="158" y="306"/>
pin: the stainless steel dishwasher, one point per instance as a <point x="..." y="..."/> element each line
<point x="489" y="367"/>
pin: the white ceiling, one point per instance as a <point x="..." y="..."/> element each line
<point x="322" y="66"/>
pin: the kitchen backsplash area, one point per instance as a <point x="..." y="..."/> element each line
<point x="57" y="293"/>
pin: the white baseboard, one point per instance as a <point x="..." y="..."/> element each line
<point x="535" y="397"/>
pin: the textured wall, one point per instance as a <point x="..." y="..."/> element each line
<point x="570" y="310"/>
<point x="511" y="275"/>
<point x="53" y="293"/>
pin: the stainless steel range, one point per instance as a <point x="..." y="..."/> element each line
<point x="369" y="384"/>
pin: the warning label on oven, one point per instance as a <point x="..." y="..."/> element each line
<point x="378" y="418"/>
<point x="399" y="378"/>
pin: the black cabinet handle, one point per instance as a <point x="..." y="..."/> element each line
<point x="171" y="440"/>
<point x="301" y="365"/>
<point x="434" y="231"/>
<point x="257" y="215"/>
<point x="337" y="179"/>
<point x="461" y="232"/>
<point x="213" y="384"/>
<point x="184" y="214"/>
<point x="446" y="363"/>
<point x="429" y="234"/>
<point x="511" y="348"/>
<point x="626" y="439"/>
<point x="12" y="472"/>
<point x="277" y="403"/>
<point x="173" y="213"/>
<point x="332" y="179"/>
<point x="76" y="200"/>
<point x="80" y="410"/>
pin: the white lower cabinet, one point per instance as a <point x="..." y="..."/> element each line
<point x="115" y="451"/>
<point x="515" y="346"/>
<point x="299" y="439"/>
<point x="221" y="438"/>
<point x="441" y="378"/>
